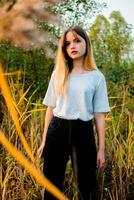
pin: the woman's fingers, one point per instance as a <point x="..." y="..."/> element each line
<point x="101" y="160"/>
<point x="100" y="164"/>
<point x="40" y="151"/>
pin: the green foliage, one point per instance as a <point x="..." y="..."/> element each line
<point x="34" y="65"/>
<point x="112" y="40"/>
<point x="121" y="73"/>
<point x="113" y="47"/>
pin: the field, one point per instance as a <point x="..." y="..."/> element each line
<point x="23" y="121"/>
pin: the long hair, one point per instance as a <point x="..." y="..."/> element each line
<point x="64" y="64"/>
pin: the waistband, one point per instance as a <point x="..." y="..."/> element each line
<point x="59" y="119"/>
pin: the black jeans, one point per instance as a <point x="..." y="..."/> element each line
<point x="74" y="138"/>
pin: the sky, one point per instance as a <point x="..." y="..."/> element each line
<point x="126" y="7"/>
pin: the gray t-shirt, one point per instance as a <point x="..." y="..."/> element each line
<point x="87" y="93"/>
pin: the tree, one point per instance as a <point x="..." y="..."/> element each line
<point x="99" y="33"/>
<point x="77" y="12"/>
<point x="112" y="40"/>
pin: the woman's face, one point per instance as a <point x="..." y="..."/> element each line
<point x="75" y="45"/>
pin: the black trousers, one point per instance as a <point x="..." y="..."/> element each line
<point x="74" y="138"/>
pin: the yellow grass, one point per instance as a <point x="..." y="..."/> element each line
<point x="30" y="167"/>
<point x="9" y="101"/>
<point x="117" y="180"/>
<point x="36" y="173"/>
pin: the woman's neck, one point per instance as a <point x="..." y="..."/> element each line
<point x="77" y="66"/>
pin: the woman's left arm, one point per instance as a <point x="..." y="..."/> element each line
<point x="100" y="127"/>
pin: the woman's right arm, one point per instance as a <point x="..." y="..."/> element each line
<point x="48" y="118"/>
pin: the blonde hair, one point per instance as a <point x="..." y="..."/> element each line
<point x="64" y="63"/>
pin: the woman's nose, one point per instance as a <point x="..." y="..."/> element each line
<point x="72" y="45"/>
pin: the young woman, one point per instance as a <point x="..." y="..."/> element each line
<point x="76" y="94"/>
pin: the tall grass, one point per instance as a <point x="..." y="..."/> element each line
<point x="119" y="174"/>
<point x="31" y="167"/>
<point x="18" y="182"/>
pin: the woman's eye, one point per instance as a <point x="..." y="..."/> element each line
<point x="67" y="43"/>
<point x="77" y="40"/>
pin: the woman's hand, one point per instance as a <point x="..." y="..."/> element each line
<point x="40" y="150"/>
<point x="48" y="118"/>
<point x="101" y="159"/>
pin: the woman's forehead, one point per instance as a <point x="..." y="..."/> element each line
<point x="72" y="35"/>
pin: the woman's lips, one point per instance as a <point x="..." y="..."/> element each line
<point x="73" y="52"/>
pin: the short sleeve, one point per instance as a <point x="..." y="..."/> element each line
<point x="50" y="98"/>
<point x="100" y="100"/>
